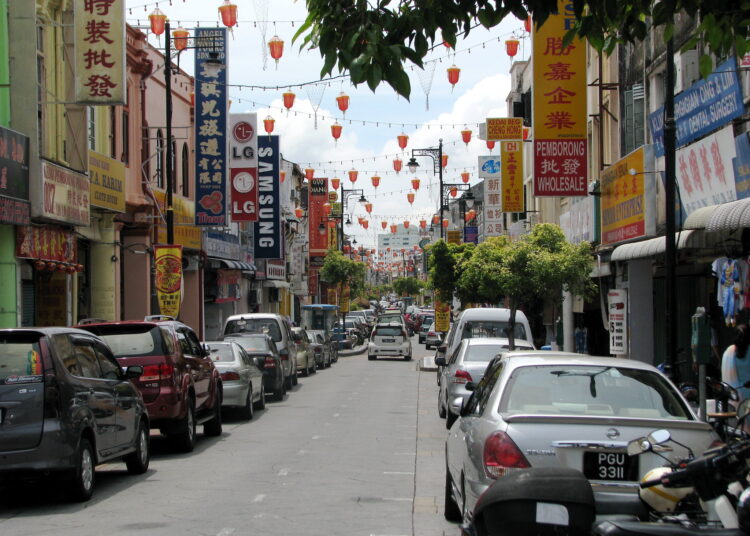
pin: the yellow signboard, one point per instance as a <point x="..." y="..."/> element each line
<point x="454" y="237"/>
<point x="442" y="317"/>
<point x="511" y="156"/>
<point x="332" y="238"/>
<point x="332" y="296"/>
<point x="504" y="128"/>
<point x="185" y="233"/>
<point x="107" y="177"/>
<point x="623" y="199"/>
<point x="168" y="267"/>
<point x="345" y="294"/>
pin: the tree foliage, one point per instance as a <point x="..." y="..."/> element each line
<point x="339" y="270"/>
<point x="407" y="286"/>
<point x="445" y="263"/>
<point x="372" y="41"/>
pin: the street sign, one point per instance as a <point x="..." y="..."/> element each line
<point x="442" y="316"/>
<point x="504" y="128"/>
<point x="454" y="237"/>
<point x="617" y="300"/>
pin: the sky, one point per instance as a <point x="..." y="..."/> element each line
<point x="371" y="147"/>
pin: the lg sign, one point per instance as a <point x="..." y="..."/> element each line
<point x="243" y="132"/>
<point x="243" y="152"/>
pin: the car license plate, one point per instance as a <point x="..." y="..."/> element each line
<point x="389" y="340"/>
<point x="610" y="466"/>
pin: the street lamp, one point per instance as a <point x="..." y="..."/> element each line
<point x="345" y="195"/>
<point x="437" y="160"/>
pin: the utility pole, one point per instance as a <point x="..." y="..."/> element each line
<point x="670" y="318"/>
<point x="168" y="107"/>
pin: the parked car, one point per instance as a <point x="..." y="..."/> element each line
<point x="467" y="364"/>
<point x="66" y="405"/>
<point x="322" y="348"/>
<point x="264" y="348"/>
<point x="342" y="337"/>
<point x="180" y="384"/>
<point x="278" y="328"/>
<point x="433" y="338"/>
<point x="364" y="324"/>
<point x="389" y="340"/>
<point x="242" y="380"/>
<point x="424" y="328"/>
<point x="353" y="335"/>
<point x="305" y="358"/>
<point x="555" y="409"/>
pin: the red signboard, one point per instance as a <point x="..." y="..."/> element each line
<point x="46" y="243"/>
<point x="243" y="164"/>
<point x="316" y="217"/>
<point x="560" y="167"/>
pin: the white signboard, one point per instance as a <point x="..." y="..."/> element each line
<point x="243" y="166"/>
<point x="617" y="300"/>
<point x="705" y="175"/>
<point x="489" y="170"/>
<point x="577" y="222"/>
<point x="66" y="195"/>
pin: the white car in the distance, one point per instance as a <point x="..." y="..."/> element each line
<point x="389" y="340"/>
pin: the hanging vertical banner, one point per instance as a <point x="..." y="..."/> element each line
<point x="318" y="196"/>
<point x="332" y="238"/>
<point x="99" y="52"/>
<point x="559" y="108"/>
<point x="490" y="168"/>
<point x="442" y="316"/>
<point x="268" y="227"/>
<point x="243" y="166"/>
<point x="511" y="156"/>
<point x="210" y="128"/>
<point x="168" y="267"/>
<point x="617" y="304"/>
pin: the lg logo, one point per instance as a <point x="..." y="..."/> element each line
<point x="243" y="132"/>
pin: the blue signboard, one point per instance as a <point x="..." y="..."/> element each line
<point x="210" y="128"/>
<point x="471" y="234"/>
<point x="741" y="165"/>
<point x="268" y="235"/>
<point x="702" y="108"/>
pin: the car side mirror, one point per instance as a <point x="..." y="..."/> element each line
<point x="440" y="361"/>
<point x="470" y="386"/>
<point x="442" y="348"/>
<point x="133" y="372"/>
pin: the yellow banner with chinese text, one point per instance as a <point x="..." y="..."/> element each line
<point x="511" y="157"/>
<point x="168" y="266"/>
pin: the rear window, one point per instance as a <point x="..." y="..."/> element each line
<point x="20" y="360"/>
<point x="483" y="352"/>
<point x="385" y="319"/>
<point x="222" y="353"/>
<point x="269" y="326"/>
<point x="136" y="341"/>
<point x="250" y="343"/>
<point x="388" y="331"/>
<point x="479" y="329"/>
<point x="592" y="391"/>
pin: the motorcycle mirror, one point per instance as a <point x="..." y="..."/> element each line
<point x="638" y="446"/>
<point x="659" y="437"/>
<point x="743" y="410"/>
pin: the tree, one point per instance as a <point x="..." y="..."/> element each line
<point x="538" y="267"/>
<point x="339" y="270"/>
<point x="446" y="263"/>
<point x="407" y="286"/>
<point x="373" y="40"/>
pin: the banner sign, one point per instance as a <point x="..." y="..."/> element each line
<point x="442" y="317"/>
<point x="185" y="232"/>
<point x="46" y="243"/>
<point x="560" y="148"/>
<point x="490" y="169"/>
<point x="741" y="165"/>
<point x="168" y="268"/>
<point x="345" y="298"/>
<point x="268" y="233"/>
<point x="628" y="209"/>
<point x="243" y="166"/>
<point x="14" y="178"/>
<point x="65" y="195"/>
<point x="705" y="173"/>
<point x="453" y="236"/>
<point x="228" y="286"/>
<point x="617" y="300"/>
<point x="107" y="177"/>
<point x="578" y="222"/>
<point x="99" y="38"/>
<point x="511" y="156"/>
<point x="505" y="128"/>
<point x="708" y="104"/>
<point x="318" y="196"/>
<point x="210" y="130"/>
<point x="471" y="234"/>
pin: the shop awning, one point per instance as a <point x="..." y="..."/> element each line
<point x="217" y="263"/>
<point x="274" y="283"/>
<point x="700" y="218"/>
<point x="656" y="246"/>
<point x="730" y="216"/>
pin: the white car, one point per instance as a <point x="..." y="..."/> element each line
<point x="242" y="379"/>
<point x="389" y="340"/>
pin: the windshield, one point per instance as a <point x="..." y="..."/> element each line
<point x="592" y="391"/>
<point x="136" y="341"/>
<point x="478" y="329"/>
<point x="387" y="331"/>
<point x="250" y="342"/>
<point x="268" y="326"/>
<point x="20" y="361"/>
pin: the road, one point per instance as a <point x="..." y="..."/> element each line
<point x="353" y="450"/>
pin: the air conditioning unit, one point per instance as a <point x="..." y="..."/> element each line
<point x="686" y="69"/>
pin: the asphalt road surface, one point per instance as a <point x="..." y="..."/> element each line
<point x="353" y="450"/>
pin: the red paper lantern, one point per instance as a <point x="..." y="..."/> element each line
<point x="353" y="175"/>
<point x="445" y="223"/>
<point x="466" y="136"/>
<point x="397" y="164"/>
<point x="79" y="267"/>
<point x="71" y="269"/>
<point x="40" y="265"/>
<point x="406" y="224"/>
<point x="347" y="248"/>
<point x="387" y="249"/>
<point x="375" y="181"/>
<point x="490" y="144"/>
<point x="343" y="102"/>
<point x="445" y="161"/>
<point x="228" y="12"/>
<point x="526" y="133"/>
<point x="394" y="228"/>
<point x="403" y="139"/>
<point x="332" y="224"/>
<point x="365" y="224"/>
<point x="368" y="208"/>
<point x="511" y="47"/>
<point x="268" y="124"/>
<point x="527" y="24"/>
<point x="415" y="184"/>
<point x="435" y="219"/>
<point x="335" y="182"/>
<point x="288" y="97"/>
<point x="423" y="224"/>
<point x="282" y="175"/>
<point x="192" y="99"/>
<point x="326" y="209"/>
<point x="384" y="224"/>
<point x="470" y="215"/>
<point x="465" y="177"/>
<point x="309" y="173"/>
<point x="180" y="38"/>
<point x="299" y="212"/>
<point x="410" y="197"/>
<point x="157" y="18"/>
<point x="276" y="47"/>
<point x="336" y="131"/>
<point x="454" y="191"/>
<point x="453" y="74"/>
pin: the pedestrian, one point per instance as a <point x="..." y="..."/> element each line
<point x="735" y="363"/>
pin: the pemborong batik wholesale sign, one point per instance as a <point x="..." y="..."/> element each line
<point x="268" y="234"/>
<point x="210" y="129"/>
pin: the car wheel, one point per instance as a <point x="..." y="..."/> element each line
<point x="247" y="410"/>
<point x="184" y="438"/>
<point x="83" y="476"/>
<point x="371" y="357"/>
<point x="407" y="357"/>
<point x="450" y="418"/>
<point x="450" y="508"/>
<point x="278" y="395"/>
<point x="261" y="403"/>
<point x="288" y="383"/>
<point x="441" y="408"/>
<point x="305" y="372"/>
<point x="137" y="461"/>
<point x="295" y="379"/>
<point x="213" y="427"/>
<point x="427" y="347"/>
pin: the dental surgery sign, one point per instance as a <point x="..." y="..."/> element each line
<point x="559" y="108"/>
<point x="210" y="129"/>
<point x="268" y="227"/>
<point x="702" y="108"/>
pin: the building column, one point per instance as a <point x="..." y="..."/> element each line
<point x="104" y="271"/>
<point x="641" y="310"/>
<point x="568" y="323"/>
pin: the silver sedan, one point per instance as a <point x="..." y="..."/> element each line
<point x="554" y="409"/>
<point x="241" y="378"/>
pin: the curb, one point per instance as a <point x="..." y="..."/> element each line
<point x="427" y="363"/>
<point x="355" y="351"/>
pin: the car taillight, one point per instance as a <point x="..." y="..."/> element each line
<point x="269" y="362"/>
<point x="501" y="454"/>
<point x="318" y="350"/>
<point x="284" y="354"/>
<point x="230" y="375"/>
<point x="153" y="373"/>
<point x="461" y="376"/>
<point x="432" y="334"/>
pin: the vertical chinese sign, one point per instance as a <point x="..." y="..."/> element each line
<point x="100" y="51"/>
<point x="559" y="108"/>
<point x="210" y="129"/>
<point x="511" y="156"/>
<point x="243" y="166"/>
<point x="268" y="234"/>
<point x="168" y="266"/>
<point x="318" y="241"/>
<point x="490" y="168"/>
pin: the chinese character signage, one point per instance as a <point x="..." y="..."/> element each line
<point x="210" y="129"/>
<point x="107" y="178"/>
<point x="705" y="106"/>
<point x="186" y="233"/>
<point x="490" y="170"/>
<point x="442" y="316"/>
<point x="318" y="196"/>
<point x="100" y="51"/>
<point x="628" y="206"/>
<point x="742" y="165"/>
<point x="705" y="175"/>
<point x="471" y="234"/>
<point x="617" y="303"/>
<point x="168" y="268"/>
<point x="46" y="243"/>
<point x="511" y="156"/>
<point x="332" y="238"/>
<point x="227" y="286"/>
<point x="504" y="128"/>
<point x="243" y="166"/>
<point x="65" y="195"/>
<point x="14" y="178"/>
<point x="268" y="234"/>
<point x="559" y="108"/>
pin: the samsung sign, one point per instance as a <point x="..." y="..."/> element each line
<point x="268" y="235"/>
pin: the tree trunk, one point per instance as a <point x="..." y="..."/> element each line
<point x="512" y="327"/>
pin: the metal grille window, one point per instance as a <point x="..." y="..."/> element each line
<point x="634" y="118"/>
